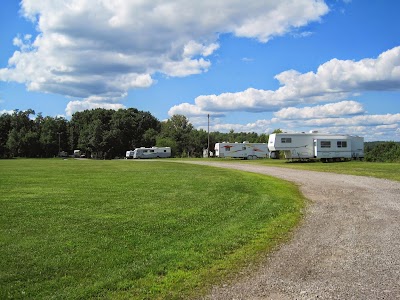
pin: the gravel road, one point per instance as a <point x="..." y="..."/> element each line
<point x="348" y="246"/>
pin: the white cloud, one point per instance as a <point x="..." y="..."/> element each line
<point x="105" y="48"/>
<point x="259" y="126"/>
<point x="75" y="106"/>
<point x="365" y="120"/>
<point x="193" y="48"/>
<point x="190" y="110"/>
<point x="321" y="111"/>
<point x="334" y="80"/>
<point x="4" y="111"/>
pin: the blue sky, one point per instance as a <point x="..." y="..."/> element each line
<point x="299" y="65"/>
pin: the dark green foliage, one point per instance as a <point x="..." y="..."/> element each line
<point x="382" y="151"/>
<point x="102" y="133"/>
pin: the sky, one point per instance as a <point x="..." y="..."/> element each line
<point x="253" y="66"/>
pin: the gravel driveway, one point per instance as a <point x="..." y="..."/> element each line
<point x="348" y="246"/>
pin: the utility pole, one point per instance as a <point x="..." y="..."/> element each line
<point x="208" y="135"/>
<point x="59" y="143"/>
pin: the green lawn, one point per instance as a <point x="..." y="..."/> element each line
<point x="361" y="168"/>
<point x="79" y="229"/>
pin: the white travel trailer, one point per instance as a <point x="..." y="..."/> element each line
<point x="153" y="152"/>
<point x="314" y="145"/>
<point x="241" y="150"/>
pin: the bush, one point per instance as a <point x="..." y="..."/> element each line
<point x="382" y="152"/>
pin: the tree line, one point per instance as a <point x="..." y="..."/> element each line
<point x="104" y="133"/>
<point x="382" y="151"/>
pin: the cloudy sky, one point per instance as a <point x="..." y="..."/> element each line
<point x="255" y="65"/>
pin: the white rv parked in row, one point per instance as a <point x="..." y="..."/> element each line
<point x="314" y="145"/>
<point x="153" y="152"/>
<point x="241" y="150"/>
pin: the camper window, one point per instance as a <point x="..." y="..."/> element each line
<point x="286" y="140"/>
<point x="342" y="144"/>
<point x="151" y="151"/>
<point x="325" y="144"/>
<point x="244" y="148"/>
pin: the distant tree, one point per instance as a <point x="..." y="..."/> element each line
<point x="109" y="133"/>
<point x="167" y="142"/>
<point x="53" y="135"/>
<point x="178" y="128"/>
<point x="150" y="137"/>
<point x="22" y="139"/>
<point x="198" y="141"/>
<point x="263" y="138"/>
<point x="5" y="128"/>
<point x="382" y="152"/>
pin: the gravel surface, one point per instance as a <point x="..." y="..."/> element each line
<point x="348" y="246"/>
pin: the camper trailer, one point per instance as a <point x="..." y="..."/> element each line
<point x="314" y="145"/>
<point x="243" y="150"/>
<point x="153" y="152"/>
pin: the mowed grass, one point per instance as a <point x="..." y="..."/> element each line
<point x="361" y="168"/>
<point x="81" y="229"/>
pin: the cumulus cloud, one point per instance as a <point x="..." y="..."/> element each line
<point x="75" y="106"/>
<point x="373" y="127"/>
<point x="259" y="126"/>
<point x="321" y="111"/>
<point x="190" y="110"/>
<point x="364" y="120"/>
<point x="105" y="48"/>
<point x="334" y="80"/>
<point x="4" y="111"/>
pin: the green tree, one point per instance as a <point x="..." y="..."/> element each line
<point x="150" y="137"/>
<point x="167" y="142"/>
<point x="109" y="133"/>
<point x="5" y="128"/>
<point x="178" y="128"/>
<point x="53" y="135"/>
<point x="23" y="137"/>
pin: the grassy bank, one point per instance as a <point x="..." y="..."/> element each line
<point x="79" y="229"/>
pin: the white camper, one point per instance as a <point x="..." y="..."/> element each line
<point x="241" y="150"/>
<point x="314" y="145"/>
<point x="153" y="152"/>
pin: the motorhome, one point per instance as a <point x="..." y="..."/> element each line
<point x="153" y="152"/>
<point x="243" y="150"/>
<point x="314" y="145"/>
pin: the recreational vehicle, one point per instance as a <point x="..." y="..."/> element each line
<point x="314" y="145"/>
<point x="153" y="152"/>
<point x="241" y="150"/>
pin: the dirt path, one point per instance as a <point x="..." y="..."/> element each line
<point x="348" y="246"/>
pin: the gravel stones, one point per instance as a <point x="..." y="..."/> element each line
<point x="348" y="246"/>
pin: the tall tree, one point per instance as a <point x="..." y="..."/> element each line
<point x="5" y="128"/>
<point x="23" y="137"/>
<point x="53" y="135"/>
<point x="178" y="129"/>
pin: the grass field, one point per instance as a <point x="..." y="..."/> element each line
<point x="81" y="229"/>
<point x="361" y="168"/>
